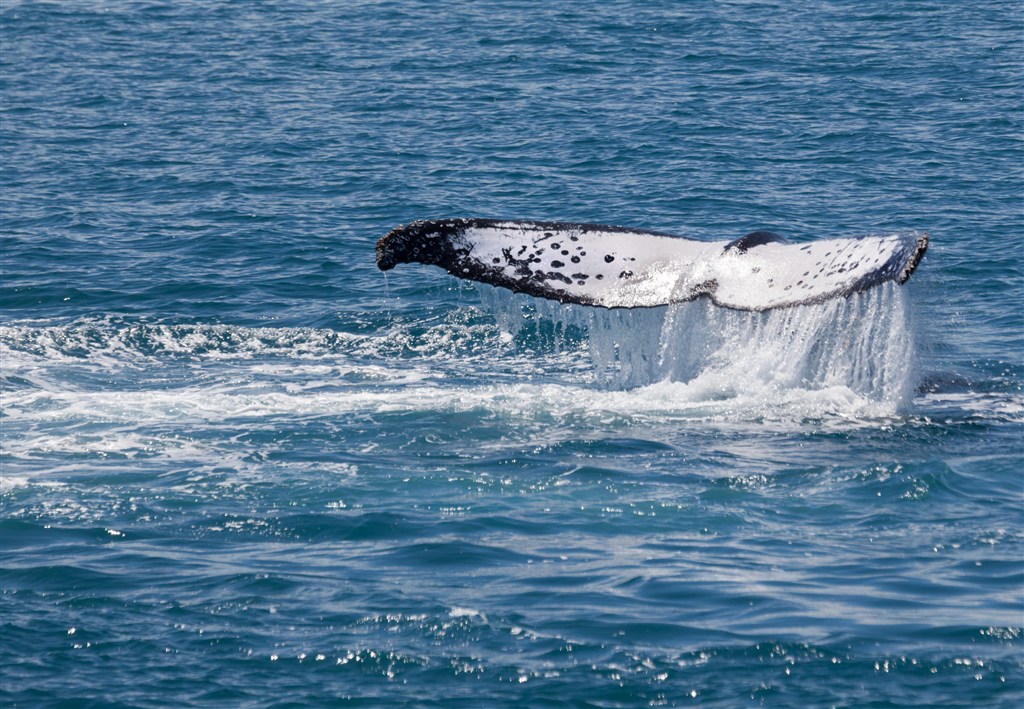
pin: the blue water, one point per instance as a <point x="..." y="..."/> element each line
<point x="240" y="467"/>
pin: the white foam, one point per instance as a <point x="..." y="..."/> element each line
<point x="842" y="362"/>
<point x="712" y="396"/>
<point x="107" y="342"/>
<point x="1006" y="406"/>
<point x="460" y="612"/>
<point x="10" y="482"/>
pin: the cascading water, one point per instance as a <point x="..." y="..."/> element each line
<point x="862" y="345"/>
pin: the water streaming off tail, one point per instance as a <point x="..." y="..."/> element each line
<point x="862" y="344"/>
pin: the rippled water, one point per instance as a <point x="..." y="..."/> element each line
<point x="242" y="467"/>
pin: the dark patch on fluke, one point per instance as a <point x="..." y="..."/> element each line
<point x="444" y="243"/>
<point x="755" y="238"/>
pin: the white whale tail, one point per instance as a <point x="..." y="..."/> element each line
<point x="618" y="267"/>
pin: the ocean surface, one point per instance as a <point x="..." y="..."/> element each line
<point x="241" y="467"/>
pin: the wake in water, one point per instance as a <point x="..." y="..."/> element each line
<point x="518" y="369"/>
<point x="523" y="358"/>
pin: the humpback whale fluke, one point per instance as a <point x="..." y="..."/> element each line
<point x="619" y="267"/>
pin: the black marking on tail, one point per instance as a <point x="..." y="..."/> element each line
<point x="755" y="238"/>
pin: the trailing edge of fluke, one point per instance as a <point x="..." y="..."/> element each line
<point x="619" y="267"/>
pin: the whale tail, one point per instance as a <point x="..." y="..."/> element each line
<point x="618" y="267"/>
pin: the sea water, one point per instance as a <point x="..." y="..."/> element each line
<point x="241" y="467"/>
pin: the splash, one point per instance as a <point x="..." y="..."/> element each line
<point x="524" y="360"/>
<point x="862" y="346"/>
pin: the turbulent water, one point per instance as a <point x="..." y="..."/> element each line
<point x="242" y="467"/>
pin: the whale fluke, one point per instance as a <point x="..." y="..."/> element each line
<point x="619" y="267"/>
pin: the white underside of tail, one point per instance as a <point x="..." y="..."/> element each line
<point x="629" y="269"/>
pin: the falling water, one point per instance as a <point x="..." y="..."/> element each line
<point x="863" y="343"/>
